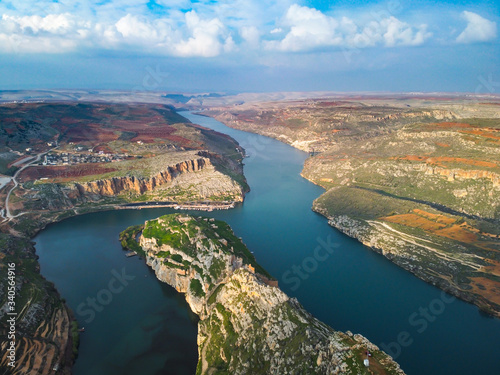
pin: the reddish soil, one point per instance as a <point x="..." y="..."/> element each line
<point x="464" y="128"/>
<point x="442" y="144"/>
<point x="414" y="221"/>
<point x="458" y="233"/>
<point x="438" y="218"/>
<point x="445" y="159"/>
<point x="103" y="148"/>
<point x="439" y="225"/>
<point x="90" y="133"/>
<point x="485" y="133"/>
<point x="490" y="289"/>
<point x="63" y="172"/>
<point x="91" y="123"/>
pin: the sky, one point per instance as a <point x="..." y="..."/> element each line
<point x="257" y="46"/>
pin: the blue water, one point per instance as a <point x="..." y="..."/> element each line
<point x="147" y="327"/>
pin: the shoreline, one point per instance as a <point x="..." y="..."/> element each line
<point x="239" y="278"/>
<point x="206" y="206"/>
<point x="453" y="291"/>
<point x="437" y="282"/>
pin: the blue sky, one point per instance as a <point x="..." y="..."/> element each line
<point x="242" y="45"/>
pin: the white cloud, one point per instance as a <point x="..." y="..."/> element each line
<point x="30" y="44"/>
<point x="60" y="33"/>
<point x="207" y="30"/>
<point x="35" y="34"/>
<point x="52" y="24"/>
<point x="140" y="31"/>
<point x="310" y="28"/>
<point x="131" y="27"/>
<point x="205" y="39"/>
<point x="251" y="35"/>
<point x="478" y="29"/>
<point x="397" y="33"/>
<point x="347" y="26"/>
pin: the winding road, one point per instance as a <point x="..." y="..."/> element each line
<point x="6" y="215"/>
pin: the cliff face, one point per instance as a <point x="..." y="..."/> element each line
<point x="117" y="185"/>
<point x="167" y="159"/>
<point x="453" y="174"/>
<point x="263" y="331"/>
<point x="175" y="274"/>
<point x="247" y="324"/>
<point x="195" y="178"/>
<point x="460" y="272"/>
<point x="313" y="126"/>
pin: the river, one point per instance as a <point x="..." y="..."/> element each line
<point x="136" y="324"/>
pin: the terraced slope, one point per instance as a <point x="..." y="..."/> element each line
<point x="45" y="336"/>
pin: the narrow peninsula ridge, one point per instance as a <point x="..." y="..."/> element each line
<point x="247" y="324"/>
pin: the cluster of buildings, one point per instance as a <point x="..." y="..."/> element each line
<point x="66" y="158"/>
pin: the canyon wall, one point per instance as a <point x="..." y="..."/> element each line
<point x="117" y="185"/>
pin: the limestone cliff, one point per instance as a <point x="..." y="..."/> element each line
<point x="107" y="155"/>
<point x="117" y="185"/>
<point x="247" y="324"/>
<point x="192" y="178"/>
<point x="412" y="253"/>
<point x="459" y="272"/>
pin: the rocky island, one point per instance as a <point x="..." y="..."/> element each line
<point x="247" y="324"/>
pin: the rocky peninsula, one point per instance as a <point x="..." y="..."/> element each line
<point x="247" y="324"/>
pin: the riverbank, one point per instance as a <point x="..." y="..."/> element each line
<point x="437" y="219"/>
<point x="58" y="347"/>
<point x="369" y="234"/>
<point x="198" y="206"/>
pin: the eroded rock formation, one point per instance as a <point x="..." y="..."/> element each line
<point x="247" y="324"/>
<point x="117" y="185"/>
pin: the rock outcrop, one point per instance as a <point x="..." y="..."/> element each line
<point x="43" y="337"/>
<point x="247" y="324"/>
<point x="414" y="252"/>
<point x="453" y="174"/>
<point x="117" y="185"/>
<point x="195" y="178"/>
